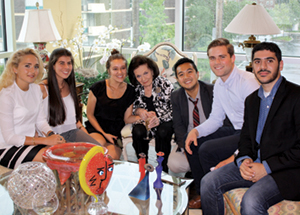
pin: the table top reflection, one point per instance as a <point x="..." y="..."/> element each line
<point x="125" y="177"/>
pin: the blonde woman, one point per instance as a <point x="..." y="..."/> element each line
<point x="21" y="113"/>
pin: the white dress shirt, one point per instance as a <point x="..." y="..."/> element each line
<point x="229" y="98"/>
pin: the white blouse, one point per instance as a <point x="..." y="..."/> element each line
<point x="70" y="121"/>
<point x="21" y="114"/>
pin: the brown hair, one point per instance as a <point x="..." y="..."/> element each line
<point x="115" y="54"/>
<point x="221" y="42"/>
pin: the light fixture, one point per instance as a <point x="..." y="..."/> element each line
<point x="252" y="20"/>
<point x="39" y="27"/>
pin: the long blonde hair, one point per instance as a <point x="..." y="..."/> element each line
<point x="8" y="76"/>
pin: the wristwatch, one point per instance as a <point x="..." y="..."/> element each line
<point x="51" y="133"/>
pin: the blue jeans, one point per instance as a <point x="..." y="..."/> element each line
<point x="257" y="199"/>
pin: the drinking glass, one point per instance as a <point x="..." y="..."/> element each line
<point x="147" y="128"/>
<point x="44" y="204"/>
<point x="98" y="206"/>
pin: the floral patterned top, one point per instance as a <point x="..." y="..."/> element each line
<point x="161" y="94"/>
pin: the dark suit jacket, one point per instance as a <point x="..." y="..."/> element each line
<point x="181" y="112"/>
<point x="280" y="140"/>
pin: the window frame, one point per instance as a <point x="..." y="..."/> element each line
<point x="8" y="28"/>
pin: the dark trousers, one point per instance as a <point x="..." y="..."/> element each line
<point x="211" y="150"/>
<point x="163" y="137"/>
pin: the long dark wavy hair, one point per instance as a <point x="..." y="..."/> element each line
<point x="57" y="114"/>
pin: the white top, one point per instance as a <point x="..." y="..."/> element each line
<point x="229" y="98"/>
<point x="21" y="114"/>
<point x="70" y="121"/>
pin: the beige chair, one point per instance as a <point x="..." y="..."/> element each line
<point x="165" y="54"/>
<point x="233" y="199"/>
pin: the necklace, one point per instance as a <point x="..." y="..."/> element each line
<point x="119" y="87"/>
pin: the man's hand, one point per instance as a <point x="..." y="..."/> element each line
<point x="191" y="138"/>
<point x="259" y="171"/>
<point x="246" y="171"/>
<point x="224" y="162"/>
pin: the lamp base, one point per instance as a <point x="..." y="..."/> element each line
<point x="41" y="49"/>
<point x="248" y="46"/>
<point x="249" y="68"/>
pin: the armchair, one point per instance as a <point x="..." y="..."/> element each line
<point x="233" y="199"/>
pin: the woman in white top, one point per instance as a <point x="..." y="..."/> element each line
<point x="21" y="111"/>
<point x="60" y="99"/>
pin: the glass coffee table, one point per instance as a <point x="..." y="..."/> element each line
<point x="125" y="177"/>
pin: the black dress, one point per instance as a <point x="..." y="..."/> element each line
<point x="109" y="113"/>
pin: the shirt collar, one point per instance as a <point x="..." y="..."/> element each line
<point x="197" y="96"/>
<point x="273" y="91"/>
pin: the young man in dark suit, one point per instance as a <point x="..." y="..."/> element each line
<point x="268" y="161"/>
<point x="187" y="76"/>
<point x="183" y="106"/>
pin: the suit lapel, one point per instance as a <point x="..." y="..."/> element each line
<point x="279" y="96"/>
<point x="185" y="107"/>
<point x="254" y="110"/>
<point x="205" y="100"/>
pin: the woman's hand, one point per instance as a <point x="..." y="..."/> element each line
<point x="143" y="113"/>
<point x="154" y="121"/>
<point x="53" y="140"/>
<point x="110" y="138"/>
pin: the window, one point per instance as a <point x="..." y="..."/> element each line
<point x="134" y="22"/>
<point x="202" y="23"/>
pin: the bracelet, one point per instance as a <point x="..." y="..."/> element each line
<point x="33" y="141"/>
<point x="80" y="127"/>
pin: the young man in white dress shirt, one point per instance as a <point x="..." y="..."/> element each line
<point x="209" y="144"/>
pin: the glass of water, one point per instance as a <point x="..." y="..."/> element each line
<point x="44" y="204"/>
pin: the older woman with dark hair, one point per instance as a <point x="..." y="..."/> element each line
<point x="153" y="105"/>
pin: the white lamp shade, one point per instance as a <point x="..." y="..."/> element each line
<point x="38" y="26"/>
<point x="253" y="20"/>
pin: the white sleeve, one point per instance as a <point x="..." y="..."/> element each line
<point x="41" y="121"/>
<point x="215" y="119"/>
<point x="7" y="122"/>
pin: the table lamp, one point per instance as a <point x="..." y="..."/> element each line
<point x="39" y="27"/>
<point x="252" y="20"/>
